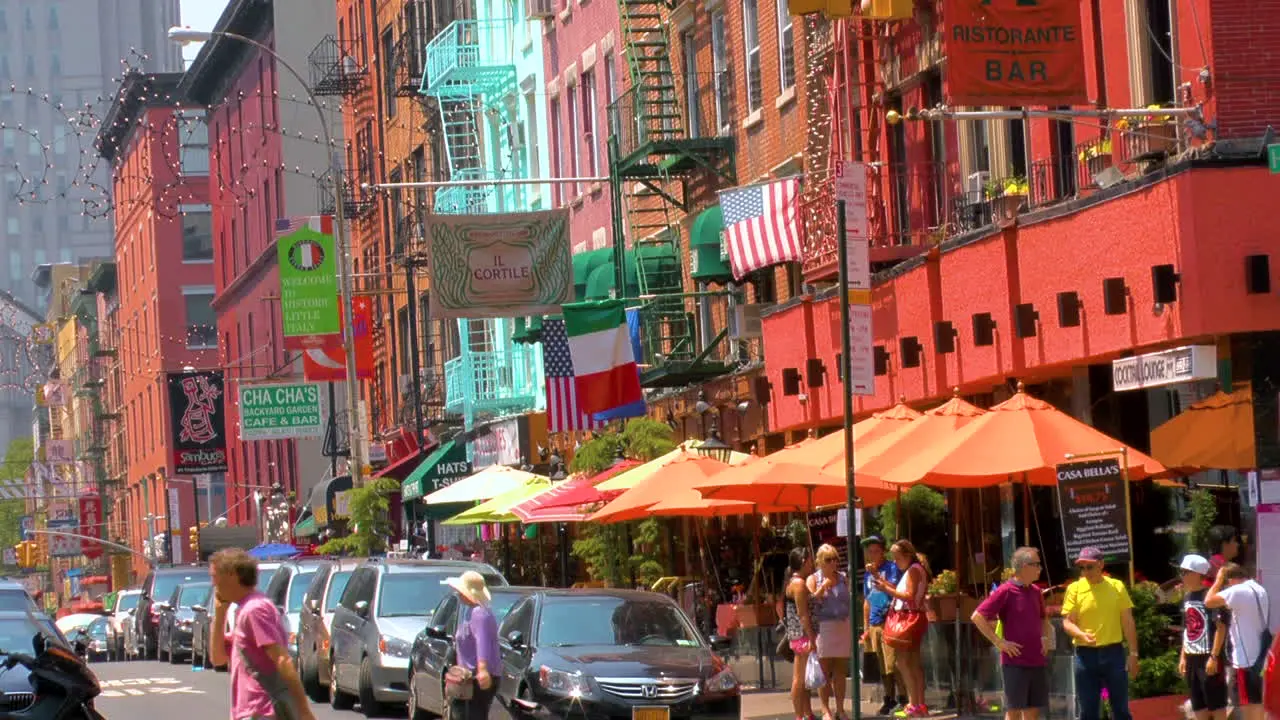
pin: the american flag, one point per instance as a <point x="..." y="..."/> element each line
<point x="563" y="414"/>
<point x="762" y="225"/>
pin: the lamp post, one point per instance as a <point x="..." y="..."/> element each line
<point x="184" y="36"/>
<point x="715" y="448"/>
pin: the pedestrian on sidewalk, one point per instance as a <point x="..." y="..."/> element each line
<point x="1250" y="633"/>
<point x="1024" y="646"/>
<point x="829" y="589"/>
<point x="1224" y="543"/>
<point x="799" y="625"/>
<point x="908" y="595"/>
<point x="1098" y="615"/>
<point x="1204" y="639"/>
<point x="477" y="646"/>
<point x="264" y="684"/>
<point x="875" y="606"/>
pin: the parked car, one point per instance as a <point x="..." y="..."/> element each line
<point x="122" y="619"/>
<point x="605" y="653"/>
<point x="98" y="637"/>
<point x="318" y="604"/>
<point x="383" y="608"/>
<point x="158" y="587"/>
<point x="432" y="652"/>
<point x="176" y="617"/>
<point x="201" y="616"/>
<point x="288" y="586"/>
<point x="15" y="598"/>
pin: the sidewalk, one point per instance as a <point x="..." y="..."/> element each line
<point x="776" y="705"/>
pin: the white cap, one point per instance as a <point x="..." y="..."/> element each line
<point x="1195" y="563"/>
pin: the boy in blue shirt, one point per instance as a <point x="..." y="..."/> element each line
<point x="875" y="606"/>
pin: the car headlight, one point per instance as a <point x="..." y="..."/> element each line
<point x="394" y="647"/>
<point x="561" y="682"/>
<point x="722" y="682"/>
<point x="184" y="624"/>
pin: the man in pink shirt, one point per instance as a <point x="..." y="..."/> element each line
<point x="262" y="676"/>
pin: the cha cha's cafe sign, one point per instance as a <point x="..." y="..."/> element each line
<point x="1167" y="367"/>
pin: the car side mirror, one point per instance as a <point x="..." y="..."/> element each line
<point x="516" y="638"/>
<point x="163" y="606"/>
<point x="199" y="608"/>
<point x="720" y="643"/>
<point x="133" y="611"/>
<point x="313" y="604"/>
<point x="362" y="608"/>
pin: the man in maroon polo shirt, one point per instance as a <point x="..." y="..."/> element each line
<point x="1024" y="647"/>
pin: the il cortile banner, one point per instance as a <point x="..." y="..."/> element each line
<point x="197" y="419"/>
<point x="308" y="282"/>
<point x="499" y="265"/>
<point x="1014" y="52"/>
<point x="1095" y="510"/>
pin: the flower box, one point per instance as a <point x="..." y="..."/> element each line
<point x="1006" y="207"/>
<point x="759" y="615"/>
<point x="946" y="608"/>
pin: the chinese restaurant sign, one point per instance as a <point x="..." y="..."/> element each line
<point x="500" y="265"/>
<point x="1094" y="508"/>
<point x="1014" y="52"/>
<point x="197" y="417"/>
<point x="308" y="281"/>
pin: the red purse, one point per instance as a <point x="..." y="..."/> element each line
<point x="904" y="629"/>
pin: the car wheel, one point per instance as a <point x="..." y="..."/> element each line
<point x="174" y="657"/>
<point x="310" y="673"/>
<point x="369" y="705"/>
<point x="338" y="700"/>
<point x="415" y="710"/>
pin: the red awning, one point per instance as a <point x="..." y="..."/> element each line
<point x="400" y="469"/>
<point x="572" y="500"/>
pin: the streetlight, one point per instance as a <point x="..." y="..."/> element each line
<point x="186" y="35"/>
<point x="715" y="448"/>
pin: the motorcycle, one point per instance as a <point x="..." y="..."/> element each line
<point x="62" y="683"/>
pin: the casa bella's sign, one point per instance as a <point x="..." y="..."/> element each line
<point x="1167" y="367"/>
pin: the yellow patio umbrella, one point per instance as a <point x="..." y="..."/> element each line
<point x="498" y="510"/>
<point x="640" y="473"/>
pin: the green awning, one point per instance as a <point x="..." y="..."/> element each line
<point x="527" y="330"/>
<point x="305" y="527"/>
<point x="583" y="265"/>
<point x="706" y="244"/>
<point x="442" y="467"/>
<point x="601" y="282"/>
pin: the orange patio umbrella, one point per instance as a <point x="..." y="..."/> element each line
<point x="674" y="482"/>
<point x="905" y="441"/>
<point x="1214" y="434"/>
<point x="1021" y="437"/>
<point x="799" y="483"/>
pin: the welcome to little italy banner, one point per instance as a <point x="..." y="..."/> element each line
<point x="499" y="265"/>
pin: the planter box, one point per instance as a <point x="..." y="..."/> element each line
<point x="1096" y="164"/>
<point x="1162" y="707"/>
<point x="762" y="615"/>
<point x="1006" y="207"/>
<point x="946" y="608"/>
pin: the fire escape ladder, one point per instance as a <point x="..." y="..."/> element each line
<point x="459" y="120"/>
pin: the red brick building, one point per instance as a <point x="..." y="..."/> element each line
<point x="157" y="147"/>
<point x="1171" y="247"/>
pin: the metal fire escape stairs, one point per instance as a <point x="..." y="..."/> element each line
<point x="652" y="163"/>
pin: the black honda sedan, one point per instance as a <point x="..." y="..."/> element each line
<point x="611" y="654"/>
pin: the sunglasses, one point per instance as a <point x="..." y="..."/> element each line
<point x="1033" y="564"/>
<point x="1086" y="567"/>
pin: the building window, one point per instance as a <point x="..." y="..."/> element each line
<point x="571" y="135"/>
<point x="751" y="50"/>
<point x="531" y="133"/>
<point x="197" y="233"/>
<point x="611" y="93"/>
<point x="388" y="73"/>
<point x="693" y="108"/>
<point x="589" y="122"/>
<point x="720" y="66"/>
<point x="202" y="332"/>
<point x="193" y="142"/>
<point x="786" y="48"/>
<point x="557" y="162"/>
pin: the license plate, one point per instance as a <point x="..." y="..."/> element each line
<point x="651" y="713"/>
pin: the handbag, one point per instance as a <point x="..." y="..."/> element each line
<point x="1260" y="662"/>
<point x="904" y="628"/>
<point x="459" y="683"/>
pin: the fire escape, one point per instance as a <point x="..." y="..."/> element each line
<point x="655" y="169"/>
<point x="469" y="73"/>
<point x="336" y="71"/>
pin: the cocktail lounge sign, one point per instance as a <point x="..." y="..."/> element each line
<point x="1167" y="367"/>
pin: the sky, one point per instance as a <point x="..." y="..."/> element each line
<point x="199" y="15"/>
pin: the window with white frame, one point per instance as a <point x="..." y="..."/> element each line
<point x="611" y="93"/>
<point x="720" y="66"/>
<point x="202" y="330"/>
<point x="531" y="132"/>
<point x="786" y="48"/>
<point x="689" y="50"/>
<point x="589" y="135"/>
<point x="197" y="233"/>
<point x="751" y="52"/>
<point x="557" y="157"/>
<point x="571" y="136"/>
<point x="193" y="142"/>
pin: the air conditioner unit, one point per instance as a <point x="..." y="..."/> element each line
<point x="535" y="9"/>
<point x="744" y="321"/>
<point x="975" y="186"/>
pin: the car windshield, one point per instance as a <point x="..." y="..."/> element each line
<point x="418" y="593"/>
<point x="165" y="584"/>
<point x="193" y="594"/>
<point x="264" y="576"/>
<point x="98" y="629"/>
<point x="15" y="600"/>
<point x="502" y="603"/>
<point x="125" y="603"/>
<point x="16" y="634"/>
<point x="337" y="583"/>
<point x="603" y="620"/>
<point x="298" y="587"/>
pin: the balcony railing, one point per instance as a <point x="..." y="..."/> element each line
<point x="470" y="57"/>
<point x="467" y="199"/>
<point x="676" y="330"/>
<point x="700" y="106"/>
<point x="491" y="381"/>
<point x="334" y="68"/>
<point x="357" y="202"/>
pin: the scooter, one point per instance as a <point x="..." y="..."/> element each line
<point x="62" y="683"/>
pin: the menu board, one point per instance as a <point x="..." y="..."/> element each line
<point x="1094" y="509"/>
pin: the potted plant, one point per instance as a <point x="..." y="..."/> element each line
<point x="945" y="602"/>
<point x="1155" y="133"/>
<point x="1159" y="690"/>
<point x="1007" y="197"/>
<point x="1096" y="156"/>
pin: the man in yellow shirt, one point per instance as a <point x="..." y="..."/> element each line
<point x="1098" y="615"/>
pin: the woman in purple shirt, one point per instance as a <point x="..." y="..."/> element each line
<point x="477" y="645"/>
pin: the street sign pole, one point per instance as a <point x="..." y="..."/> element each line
<point x="846" y="356"/>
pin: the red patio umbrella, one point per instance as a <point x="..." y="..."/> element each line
<point x="563" y="502"/>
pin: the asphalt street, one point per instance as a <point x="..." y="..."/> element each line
<point x="161" y="690"/>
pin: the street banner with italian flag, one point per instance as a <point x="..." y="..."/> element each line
<point x="603" y="362"/>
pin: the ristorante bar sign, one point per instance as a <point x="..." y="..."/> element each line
<point x="197" y="412"/>
<point x="1014" y="52"/>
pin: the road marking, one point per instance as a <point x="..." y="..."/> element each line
<point x="131" y="691"/>
<point x="134" y="687"/>
<point x="186" y="690"/>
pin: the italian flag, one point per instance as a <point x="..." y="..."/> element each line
<point x="604" y="365"/>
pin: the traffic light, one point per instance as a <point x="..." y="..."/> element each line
<point x="26" y="552"/>
<point x="193" y="539"/>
